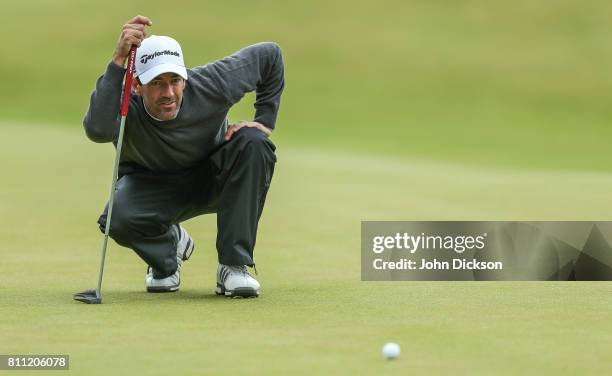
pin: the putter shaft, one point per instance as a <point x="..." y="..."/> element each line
<point x="111" y="200"/>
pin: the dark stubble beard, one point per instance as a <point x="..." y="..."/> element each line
<point x="156" y="117"/>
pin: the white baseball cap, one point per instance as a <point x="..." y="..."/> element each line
<point x="156" y="55"/>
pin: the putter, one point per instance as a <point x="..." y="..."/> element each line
<point x="95" y="296"/>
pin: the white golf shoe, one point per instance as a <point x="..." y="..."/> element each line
<point x="185" y="246"/>
<point x="184" y="250"/>
<point x="235" y="281"/>
<point x="168" y="284"/>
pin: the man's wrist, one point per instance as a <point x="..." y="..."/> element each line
<point x="119" y="61"/>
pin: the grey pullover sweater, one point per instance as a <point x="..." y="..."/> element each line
<point x="201" y="122"/>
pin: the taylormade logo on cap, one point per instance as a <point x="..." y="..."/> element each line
<point x="157" y="55"/>
<point x="145" y="58"/>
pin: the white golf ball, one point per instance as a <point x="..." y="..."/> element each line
<point x="391" y="350"/>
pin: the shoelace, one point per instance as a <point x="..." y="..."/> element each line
<point x="244" y="270"/>
<point x="236" y="269"/>
<point x="240" y="269"/>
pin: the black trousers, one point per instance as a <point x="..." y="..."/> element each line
<point x="232" y="182"/>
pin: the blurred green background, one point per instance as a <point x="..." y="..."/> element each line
<point x="513" y="83"/>
<point x="393" y="110"/>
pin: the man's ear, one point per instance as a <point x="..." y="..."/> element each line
<point x="136" y="86"/>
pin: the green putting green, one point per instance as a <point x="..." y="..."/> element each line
<point x="314" y="315"/>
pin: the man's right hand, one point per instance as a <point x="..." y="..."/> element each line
<point x="133" y="33"/>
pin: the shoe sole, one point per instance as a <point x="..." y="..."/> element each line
<point x="240" y="292"/>
<point x="163" y="289"/>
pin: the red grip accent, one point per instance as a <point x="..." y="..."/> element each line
<point x="127" y="85"/>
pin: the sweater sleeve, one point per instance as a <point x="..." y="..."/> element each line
<point x="258" y="67"/>
<point x="102" y="119"/>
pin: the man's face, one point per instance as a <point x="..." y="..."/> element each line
<point x="163" y="95"/>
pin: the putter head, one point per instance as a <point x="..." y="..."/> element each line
<point x="88" y="297"/>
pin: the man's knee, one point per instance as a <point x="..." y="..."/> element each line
<point x="253" y="140"/>
<point x="121" y="227"/>
<point x="250" y="134"/>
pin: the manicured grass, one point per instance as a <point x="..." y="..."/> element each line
<point x="314" y="316"/>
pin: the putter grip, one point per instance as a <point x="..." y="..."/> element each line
<point x="127" y="85"/>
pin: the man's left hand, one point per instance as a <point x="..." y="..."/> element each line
<point x="233" y="128"/>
